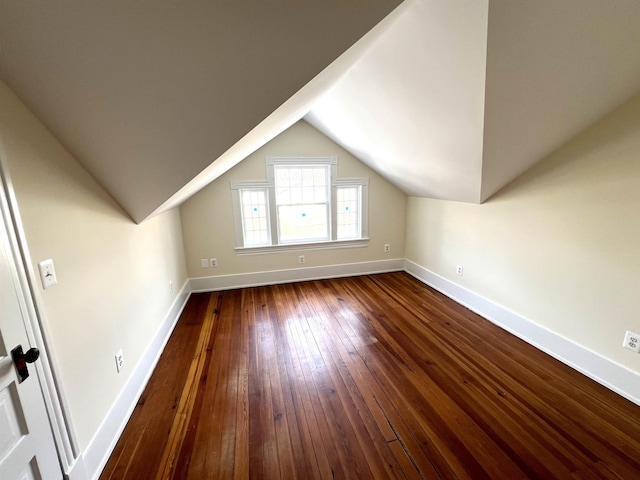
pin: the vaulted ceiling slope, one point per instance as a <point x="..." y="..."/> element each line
<point x="148" y="94"/>
<point x="456" y="99"/>
<point x="448" y="99"/>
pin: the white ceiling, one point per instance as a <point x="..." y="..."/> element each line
<point x="447" y="99"/>
<point x="458" y="98"/>
<point x="412" y="107"/>
<point x="146" y="95"/>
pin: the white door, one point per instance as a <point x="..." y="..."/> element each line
<point x="27" y="449"/>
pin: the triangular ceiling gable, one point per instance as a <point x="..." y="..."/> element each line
<point x="146" y="95"/>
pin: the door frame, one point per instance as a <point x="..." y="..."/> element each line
<point x="37" y="329"/>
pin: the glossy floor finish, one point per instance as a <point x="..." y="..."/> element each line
<point x="366" y="377"/>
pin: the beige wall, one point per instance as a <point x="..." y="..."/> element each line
<point x="208" y="224"/>
<point x="113" y="275"/>
<point x="559" y="246"/>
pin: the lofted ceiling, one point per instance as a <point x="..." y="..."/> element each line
<point x="412" y="106"/>
<point x="456" y="99"/>
<point x="446" y="99"/>
<point x="146" y="95"/>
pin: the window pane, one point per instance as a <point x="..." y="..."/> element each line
<point x="320" y="181"/>
<point x="255" y="217"/>
<point x="348" y="212"/>
<point x="295" y="177"/>
<point x="320" y="176"/>
<point x="303" y="223"/>
<point x="301" y="185"/>
<point x="282" y="176"/>
<point x="307" y="176"/>
<point x="296" y="195"/>
<point x="308" y="193"/>
<point x="283" y="195"/>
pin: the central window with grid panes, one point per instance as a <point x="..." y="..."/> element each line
<point x="301" y="203"/>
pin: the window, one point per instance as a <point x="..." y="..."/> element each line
<point x="302" y="204"/>
<point x="255" y="217"/>
<point x="348" y="211"/>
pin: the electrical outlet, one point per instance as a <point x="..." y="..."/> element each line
<point x="459" y="270"/>
<point x="119" y="360"/>
<point x="387" y="247"/>
<point x="213" y="262"/>
<point x="170" y="286"/>
<point x="301" y="259"/>
<point x="632" y="341"/>
<point x="204" y="263"/>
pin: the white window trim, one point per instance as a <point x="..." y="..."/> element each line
<point x="269" y="185"/>
<point x="331" y="244"/>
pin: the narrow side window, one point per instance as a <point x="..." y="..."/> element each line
<point x="254" y="208"/>
<point x="348" y="212"/>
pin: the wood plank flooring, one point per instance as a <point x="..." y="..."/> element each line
<point x="366" y="377"/>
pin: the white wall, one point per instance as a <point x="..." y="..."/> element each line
<point x="559" y="246"/>
<point x="113" y="275"/>
<point x="208" y="224"/>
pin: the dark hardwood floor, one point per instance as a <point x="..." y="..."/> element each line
<point x="366" y="377"/>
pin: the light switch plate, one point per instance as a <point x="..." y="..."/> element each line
<point x="47" y="273"/>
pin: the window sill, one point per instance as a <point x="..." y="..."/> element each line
<point x="358" y="243"/>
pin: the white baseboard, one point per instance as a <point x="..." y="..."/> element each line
<point x="243" y="280"/>
<point x="76" y="470"/>
<point x="616" y="377"/>
<point x="97" y="454"/>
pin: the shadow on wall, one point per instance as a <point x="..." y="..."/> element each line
<point x="571" y="160"/>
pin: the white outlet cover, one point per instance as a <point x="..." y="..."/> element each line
<point x="632" y="341"/>
<point x="204" y="263"/>
<point x="47" y="273"/>
<point x="119" y="361"/>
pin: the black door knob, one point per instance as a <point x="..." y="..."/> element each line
<point x="31" y="355"/>
<point x="20" y="360"/>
